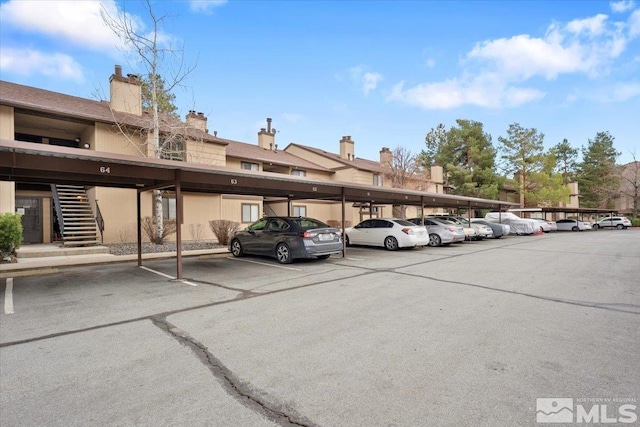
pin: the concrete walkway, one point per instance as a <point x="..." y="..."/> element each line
<point x="47" y="258"/>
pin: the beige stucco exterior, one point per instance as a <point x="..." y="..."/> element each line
<point x="7" y="188"/>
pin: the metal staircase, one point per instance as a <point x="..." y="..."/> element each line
<point x="75" y="218"/>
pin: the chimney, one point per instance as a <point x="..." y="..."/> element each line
<point x="267" y="137"/>
<point x="347" y="148"/>
<point x="385" y="157"/>
<point x="125" y="92"/>
<point x="197" y="121"/>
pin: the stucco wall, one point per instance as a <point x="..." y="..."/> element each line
<point x="7" y="188"/>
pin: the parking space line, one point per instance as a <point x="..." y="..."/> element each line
<point x="186" y="282"/>
<point x="8" y="297"/>
<point x="354" y="259"/>
<point x="268" y="265"/>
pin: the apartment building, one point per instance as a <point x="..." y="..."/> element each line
<point x="120" y="126"/>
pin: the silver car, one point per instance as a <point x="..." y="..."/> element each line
<point x="441" y="233"/>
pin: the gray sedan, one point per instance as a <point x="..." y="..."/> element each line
<point x="498" y="229"/>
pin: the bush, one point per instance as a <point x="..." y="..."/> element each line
<point x="10" y="234"/>
<point x="223" y="230"/>
<point x="338" y="224"/>
<point x="635" y="222"/>
<point x="149" y="227"/>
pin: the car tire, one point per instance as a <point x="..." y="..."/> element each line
<point x="236" y="248"/>
<point x="346" y="241"/>
<point x="620" y="226"/>
<point x="391" y="243"/>
<point x="595" y="226"/>
<point x="574" y="228"/>
<point x="283" y="254"/>
<point x="435" y="240"/>
<point x="323" y="256"/>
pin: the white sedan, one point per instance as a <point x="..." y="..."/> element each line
<point x="570" y="225"/>
<point x="390" y="233"/>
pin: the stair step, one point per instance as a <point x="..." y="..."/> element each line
<point x="85" y="243"/>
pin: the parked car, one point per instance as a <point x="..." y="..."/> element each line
<point x="570" y="225"/>
<point x="498" y="230"/>
<point x="470" y="232"/>
<point x="390" y="233"/>
<point x="518" y="225"/>
<point x="441" y="233"/>
<point x="546" y="225"/>
<point x="619" y="222"/>
<point x="287" y="238"/>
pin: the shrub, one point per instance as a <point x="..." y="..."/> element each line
<point x="338" y="224"/>
<point x="197" y="232"/>
<point x="635" y="222"/>
<point x="149" y="227"/>
<point x="223" y="230"/>
<point x="10" y="233"/>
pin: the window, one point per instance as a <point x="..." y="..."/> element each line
<point x="377" y="180"/>
<point x="259" y="225"/>
<point x="250" y="212"/>
<point x="168" y="207"/>
<point x="172" y="149"/>
<point x="298" y="172"/>
<point x="299" y="211"/>
<point x="249" y="166"/>
<point x="277" y="225"/>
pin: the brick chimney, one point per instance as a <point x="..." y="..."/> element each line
<point x="197" y="120"/>
<point x="347" y="148"/>
<point x="267" y="137"/>
<point x="125" y="92"/>
<point x="385" y="157"/>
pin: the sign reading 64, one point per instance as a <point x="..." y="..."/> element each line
<point x="105" y="169"/>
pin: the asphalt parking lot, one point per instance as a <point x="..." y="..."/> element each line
<point x="471" y="334"/>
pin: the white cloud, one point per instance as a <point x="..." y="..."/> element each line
<point x="589" y="26"/>
<point x="482" y="91"/>
<point x="495" y="71"/>
<point x="622" y="6"/>
<point x="365" y="80"/>
<point x="431" y="63"/>
<point x="205" y="6"/>
<point x="28" y="62"/>
<point x="622" y="92"/>
<point x="76" y="22"/>
<point x="292" y="117"/>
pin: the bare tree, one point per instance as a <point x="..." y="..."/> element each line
<point x="402" y="169"/>
<point x="152" y="55"/>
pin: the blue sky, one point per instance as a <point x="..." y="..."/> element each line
<point x="383" y="72"/>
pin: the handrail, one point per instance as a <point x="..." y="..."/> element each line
<point x="56" y="204"/>
<point x="100" y="222"/>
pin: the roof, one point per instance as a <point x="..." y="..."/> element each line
<point x="358" y="163"/>
<point x="243" y="150"/>
<point x="58" y="104"/>
<point x="39" y="163"/>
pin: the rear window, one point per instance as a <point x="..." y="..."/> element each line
<point x="403" y="222"/>
<point x="306" y="223"/>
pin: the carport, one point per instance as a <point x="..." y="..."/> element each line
<point x="30" y="163"/>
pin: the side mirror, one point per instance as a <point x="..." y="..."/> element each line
<point x="250" y="231"/>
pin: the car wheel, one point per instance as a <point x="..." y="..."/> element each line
<point x="595" y="226"/>
<point x="619" y="226"/>
<point x="391" y="243"/>
<point x="236" y="248"/>
<point x="346" y="241"/>
<point x="323" y="256"/>
<point x="434" y="240"/>
<point x="283" y="254"/>
<point x="574" y="228"/>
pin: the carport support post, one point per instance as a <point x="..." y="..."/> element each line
<point x="422" y="210"/>
<point x="139" y="212"/>
<point x="344" y="241"/>
<point x="178" y="227"/>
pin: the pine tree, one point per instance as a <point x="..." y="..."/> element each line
<point x="598" y="179"/>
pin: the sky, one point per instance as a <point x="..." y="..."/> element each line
<point x="383" y="72"/>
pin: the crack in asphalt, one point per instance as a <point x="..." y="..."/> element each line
<point x="237" y="388"/>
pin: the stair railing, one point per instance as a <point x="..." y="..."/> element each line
<point x="58" y="209"/>
<point x="100" y="222"/>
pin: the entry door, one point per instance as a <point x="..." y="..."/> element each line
<point x="31" y="209"/>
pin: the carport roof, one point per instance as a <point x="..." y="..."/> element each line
<point x="37" y="163"/>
